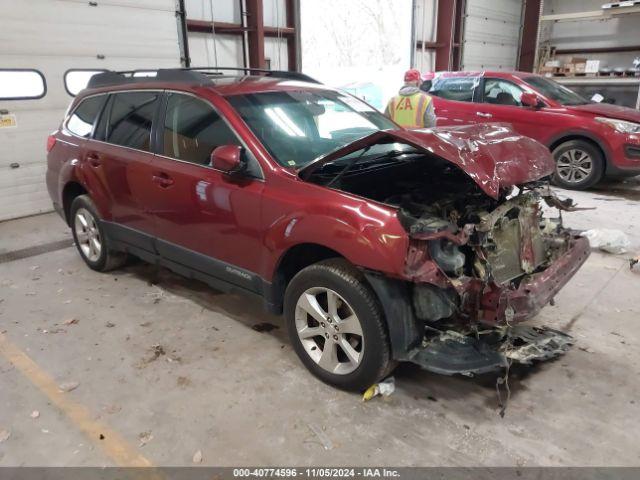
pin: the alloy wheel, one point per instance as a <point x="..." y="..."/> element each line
<point x="329" y="330"/>
<point x="87" y="234"/>
<point x="574" y="166"/>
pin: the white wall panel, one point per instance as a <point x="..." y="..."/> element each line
<point x="491" y="34"/>
<point x="225" y="52"/>
<point x="54" y="36"/>
<point x="275" y="13"/>
<point x="277" y="56"/>
<point x="223" y="10"/>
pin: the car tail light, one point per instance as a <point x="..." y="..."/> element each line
<point x="51" y="141"/>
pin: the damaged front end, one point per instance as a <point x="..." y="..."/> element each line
<point x="482" y="257"/>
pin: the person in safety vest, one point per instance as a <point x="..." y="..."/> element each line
<point x="411" y="108"/>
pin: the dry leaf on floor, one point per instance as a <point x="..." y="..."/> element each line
<point x="197" y="457"/>
<point x="145" y="437"/>
<point x="70" y="321"/>
<point x="68" y="386"/>
<point x="4" y="435"/>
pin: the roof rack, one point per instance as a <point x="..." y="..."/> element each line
<point x="191" y="75"/>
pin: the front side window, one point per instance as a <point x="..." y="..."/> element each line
<point x="454" y="88"/>
<point x="501" y="92"/>
<point x="83" y="117"/>
<point x="193" y="129"/>
<point x="22" y="84"/>
<point x="129" y="119"/>
<point x="298" y="126"/>
<point x="555" y="91"/>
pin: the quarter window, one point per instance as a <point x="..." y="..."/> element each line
<point x="84" y="116"/>
<point x="130" y="118"/>
<point x="501" y="92"/>
<point x="457" y="88"/>
<point x="22" y="84"/>
<point x="193" y="129"/>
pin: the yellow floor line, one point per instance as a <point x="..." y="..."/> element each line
<point x="113" y="444"/>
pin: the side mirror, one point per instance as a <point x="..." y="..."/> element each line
<point x="531" y="100"/>
<point x="228" y="158"/>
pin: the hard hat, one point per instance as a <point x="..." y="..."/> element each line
<point x="412" y="75"/>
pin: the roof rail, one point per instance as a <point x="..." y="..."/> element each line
<point x="191" y="75"/>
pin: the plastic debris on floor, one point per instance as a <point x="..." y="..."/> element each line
<point x="384" y="388"/>
<point x="611" y="241"/>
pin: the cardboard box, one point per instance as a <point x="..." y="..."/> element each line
<point x="552" y="63"/>
<point x="580" y="67"/>
<point x="592" y="66"/>
<point x="574" y="60"/>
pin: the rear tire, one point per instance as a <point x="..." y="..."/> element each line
<point x="579" y="165"/>
<point x="336" y="325"/>
<point x="90" y="238"/>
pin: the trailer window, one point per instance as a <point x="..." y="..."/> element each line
<point x="77" y="80"/>
<point x="22" y="84"/>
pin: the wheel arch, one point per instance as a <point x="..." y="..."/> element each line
<point x="584" y="136"/>
<point x="70" y="191"/>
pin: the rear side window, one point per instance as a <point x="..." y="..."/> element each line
<point x="193" y="129"/>
<point x="459" y="88"/>
<point x="84" y="116"/>
<point x="26" y="84"/>
<point x="129" y="119"/>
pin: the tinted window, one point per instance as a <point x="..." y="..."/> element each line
<point x="21" y="84"/>
<point x="130" y="118"/>
<point x="83" y="117"/>
<point x="458" y="88"/>
<point x="501" y="92"/>
<point x="193" y="129"/>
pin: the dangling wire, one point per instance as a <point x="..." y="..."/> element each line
<point x="279" y="36"/>
<point x="213" y="31"/>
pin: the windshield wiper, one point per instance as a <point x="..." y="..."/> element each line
<point x="351" y="163"/>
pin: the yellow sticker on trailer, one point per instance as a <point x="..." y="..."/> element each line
<point x="8" y="121"/>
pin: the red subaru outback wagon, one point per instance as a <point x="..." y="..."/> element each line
<point x="379" y="244"/>
<point x="589" y="140"/>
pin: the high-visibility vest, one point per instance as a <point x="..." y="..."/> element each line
<point x="408" y="110"/>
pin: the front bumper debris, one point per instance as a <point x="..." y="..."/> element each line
<point x="450" y="352"/>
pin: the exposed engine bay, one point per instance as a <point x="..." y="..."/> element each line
<point x="479" y="265"/>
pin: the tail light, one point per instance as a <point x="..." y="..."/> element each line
<point x="51" y="141"/>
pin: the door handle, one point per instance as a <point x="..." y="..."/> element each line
<point x="93" y="159"/>
<point x="163" y="180"/>
<point x="484" y="115"/>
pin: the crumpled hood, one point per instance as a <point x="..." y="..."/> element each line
<point x="608" y="110"/>
<point x="493" y="155"/>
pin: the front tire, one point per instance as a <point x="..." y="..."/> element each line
<point x="90" y="238"/>
<point x="579" y="165"/>
<point x="336" y="325"/>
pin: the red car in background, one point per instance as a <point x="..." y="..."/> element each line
<point x="589" y="140"/>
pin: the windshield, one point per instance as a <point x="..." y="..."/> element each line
<point x="298" y="126"/>
<point x="555" y="91"/>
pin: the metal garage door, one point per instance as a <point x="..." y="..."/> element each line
<point x="491" y="34"/>
<point x="53" y="36"/>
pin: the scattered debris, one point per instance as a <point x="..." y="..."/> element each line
<point x="585" y="349"/>
<point x="197" y="457"/>
<point x="145" y="324"/>
<point x="384" y="388"/>
<point x="109" y="325"/>
<point x="44" y="430"/>
<point x="35" y="414"/>
<point x="633" y="262"/>
<point x="111" y="408"/>
<point x="4" y="435"/>
<point x="34" y="268"/>
<point x="145" y="437"/>
<point x="325" y="441"/>
<point x="183" y="381"/>
<point x="157" y="350"/>
<point x="71" y="321"/>
<point x="53" y="331"/>
<point x="264" y="327"/>
<point x="68" y="386"/>
<point x="611" y="241"/>
<point x="101" y="437"/>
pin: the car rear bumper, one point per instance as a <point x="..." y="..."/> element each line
<point x="507" y="305"/>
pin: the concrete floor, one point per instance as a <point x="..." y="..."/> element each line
<point x="241" y="397"/>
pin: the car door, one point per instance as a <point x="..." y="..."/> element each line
<point x="206" y="220"/>
<point x="119" y="158"/>
<point x="500" y="102"/>
<point x="453" y="100"/>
